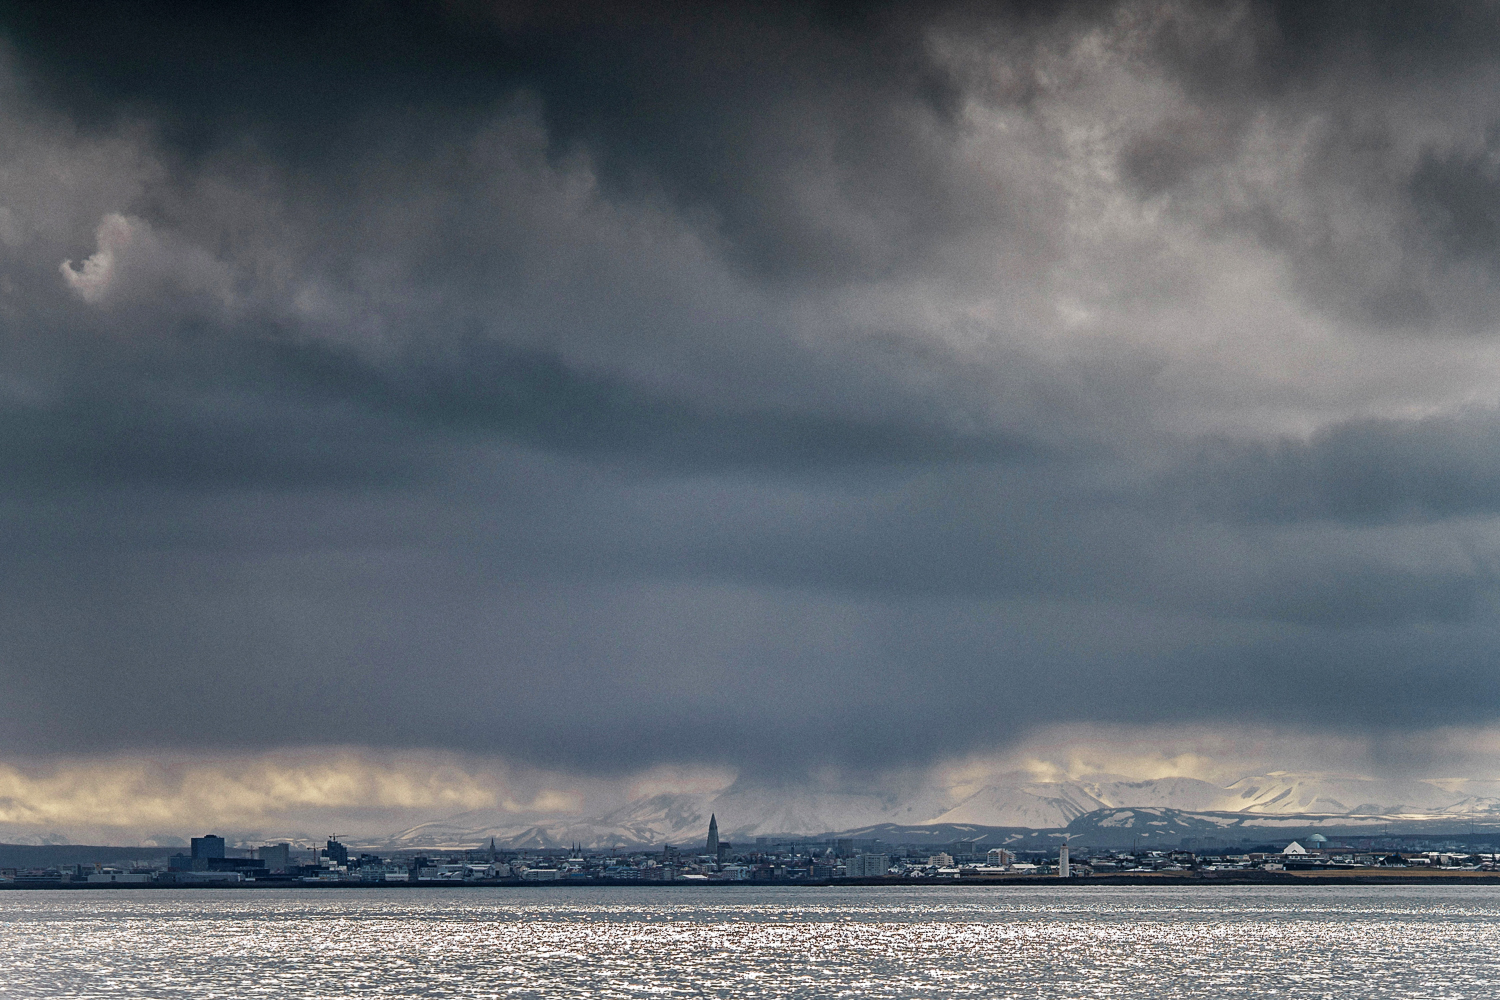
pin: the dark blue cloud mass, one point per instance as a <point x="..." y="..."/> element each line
<point x="778" y="384"/>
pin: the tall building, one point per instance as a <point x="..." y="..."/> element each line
<point x="278" y="857"/>
<point x="868" y="865"/>
<point x="999" y="857"/>
<point x="208" y="846"/>
<point x="962" y="850"/>
<point x="1062" y="862"/>
<point x="713" y="835"/>
<point x="336" y="853"/>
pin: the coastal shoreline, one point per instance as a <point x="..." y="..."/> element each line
<point x="1024" y="881"/>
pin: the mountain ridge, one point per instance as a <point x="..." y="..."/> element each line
<point x="1016" y="802"/>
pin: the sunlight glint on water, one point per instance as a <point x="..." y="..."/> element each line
<point x="1129" y="942"/>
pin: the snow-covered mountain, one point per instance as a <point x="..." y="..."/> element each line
<point x="745" y="812"/>
<point x="1039" y="804"/>
<point x="659" y="819"/>
<point x="1287" y="792"/>
<point x="1175" y="804"/>
<point x="748" y="811"/>
<point x="1473" y="805"/>
<point x="1030" y="804"/>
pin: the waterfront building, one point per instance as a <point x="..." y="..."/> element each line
<point x="277" y="857"/>
<point x="115" y="875"/>
<point x="203" y="876"/>
<point x="208" y="846"/>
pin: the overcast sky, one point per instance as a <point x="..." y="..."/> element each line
<point x="774" y="387"/>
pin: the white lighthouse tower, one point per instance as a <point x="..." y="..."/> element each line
<point x="1062" y="861"/>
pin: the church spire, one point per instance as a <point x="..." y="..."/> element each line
<point x="713" y="835"/>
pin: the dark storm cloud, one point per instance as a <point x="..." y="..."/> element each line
<point x="195" y="445"/>
<point x="1457" y="194"/>
<point x="738" y="111"/>
<point x="1364" y="472"/>
<point x="774" y="384"/>
<point x="287" y="416"/>
<point x="1401" y="37"/>
<point x="533" y="396"/>
<point x="385" y="648"/>
<point x="1386" y="217"/>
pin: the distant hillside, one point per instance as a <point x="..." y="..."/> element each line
<point x="940" y="835"/>
<point x="1103" y="810"/>
<point x="1154" y="827"/>
<point x="51" y="855"/>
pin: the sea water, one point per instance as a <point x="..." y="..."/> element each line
<point x="750" y="941"/>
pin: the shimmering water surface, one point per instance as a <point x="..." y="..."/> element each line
<point x="1126" y="942"/>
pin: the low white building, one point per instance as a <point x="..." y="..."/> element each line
<point x="384" y="873"/>
<point x="441" y="873"/>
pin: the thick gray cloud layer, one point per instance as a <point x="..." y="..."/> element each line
<point x="775" y="386"/>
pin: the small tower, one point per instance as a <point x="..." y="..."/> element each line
<point x="1063" y="870"/>
<point x="492" y="850"/>
<point x="713" y="835"/>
